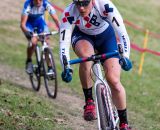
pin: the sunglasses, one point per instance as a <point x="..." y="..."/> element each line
<point x="82" y="3"/>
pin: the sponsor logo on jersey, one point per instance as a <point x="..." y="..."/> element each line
<point x="107" y="9"/>
<point x="125" y="43"/>
<point x="68" y="18"/>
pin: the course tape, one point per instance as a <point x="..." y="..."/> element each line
<point x="137" y="48"/>
<point x="155" y="35"/>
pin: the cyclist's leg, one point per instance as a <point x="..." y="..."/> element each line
<point x="31" y="42"/>
<point x="83" y="48"/>
<point x="30" y="49"/>
<point x="112" y="72"/>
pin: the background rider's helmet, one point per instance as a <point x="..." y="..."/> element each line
<point x="81" y="2"/>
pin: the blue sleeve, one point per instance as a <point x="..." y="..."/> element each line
<point x="26" y="8"/>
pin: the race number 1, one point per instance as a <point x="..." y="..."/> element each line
<point x="63" y="34"/>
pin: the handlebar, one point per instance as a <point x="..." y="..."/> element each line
<point x="45" y="33"/>
<point x="91" y="58"/>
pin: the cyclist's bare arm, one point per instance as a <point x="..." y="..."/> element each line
<point x="56" y="20"/>
<point x="53" y="14"/>
<point x="23" y="23"/>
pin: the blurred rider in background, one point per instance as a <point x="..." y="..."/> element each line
<point x="32" y="18"/>
<point x="95" y="23"/>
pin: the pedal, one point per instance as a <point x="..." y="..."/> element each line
<point x="50" y="75"/>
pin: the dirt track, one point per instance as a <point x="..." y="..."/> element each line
<point x="65" y="98"/>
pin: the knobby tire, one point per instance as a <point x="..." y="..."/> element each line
<point x="104" y="122"/>
<point x="35" y="78"/>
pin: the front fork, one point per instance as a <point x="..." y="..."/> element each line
<point x="38" y="58"/>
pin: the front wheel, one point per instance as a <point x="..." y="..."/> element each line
<point x="50" y="79"/>
<point x="102" y="108"/>
<point x="35" y="77"/>
<point x="107" y="112"/>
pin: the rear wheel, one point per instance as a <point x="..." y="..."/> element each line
<point x="35" y="76"/>
<point x="50" y="79"/>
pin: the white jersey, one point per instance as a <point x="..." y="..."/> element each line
<point x="36" y="13"/>
<point x="102" y="15"/>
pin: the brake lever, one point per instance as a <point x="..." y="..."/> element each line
<point x="120" y="49"/>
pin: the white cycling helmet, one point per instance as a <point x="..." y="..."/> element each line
<point x="81" y="2"/>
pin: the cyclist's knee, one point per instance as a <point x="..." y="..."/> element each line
<point x="114" y="83"/>
<point x="34" y="41"/>
<point x="47" y="39"/>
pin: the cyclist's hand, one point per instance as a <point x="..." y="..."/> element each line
<point x="67" y="75"/>
<point x="125" y="63"/>
<point x="28" y="34"/>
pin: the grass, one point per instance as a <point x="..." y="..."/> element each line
<point x="22" y="111"/>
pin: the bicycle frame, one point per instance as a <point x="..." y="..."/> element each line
<point x="44" y="43"/>
<point x="42" y="40"/>
<point x="43" y="47"/>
